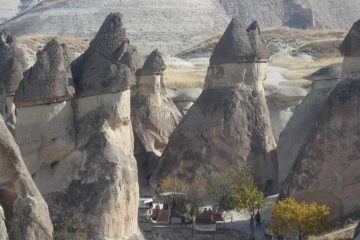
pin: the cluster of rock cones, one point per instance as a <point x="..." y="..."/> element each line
<point x="79" y="134"/>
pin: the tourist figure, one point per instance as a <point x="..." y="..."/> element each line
<point x="252" y="227"/>
<point x="258" y="219"/>
<point x="148" y="177"/>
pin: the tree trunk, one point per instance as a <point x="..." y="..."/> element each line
<point x="301" y="235"/>
<point x="193" y="226"/>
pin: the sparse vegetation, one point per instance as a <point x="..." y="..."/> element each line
<point x="185" y="77"/>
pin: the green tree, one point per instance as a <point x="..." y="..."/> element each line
<point x="188" y="198"/>
<point x="292" y="217"/>
<point x="193" y="202"/>
<point x="249" y="199"/>
<point x="221" y="185"/>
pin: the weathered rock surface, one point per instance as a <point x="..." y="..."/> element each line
<point x="327" y="167"/>
<point x="301" y="124"/>
<point x="49" y="80"/>
<point x="154" y="115"/>
<point x="12" y="63"/>
<point x="80" y="149"/>
<point x="210" y="137"/>
<point x="3" y="230"/>
<point x="45" y="127"/>
<point x="100" y="69"/>
<point x="100" y="200"/>
<point x="26" y="213"/>
<point x="238" y="45"/>
<point x="12" y="66"/>
<point x="350" y="49"/>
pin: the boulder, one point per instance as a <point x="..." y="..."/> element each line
<point x="12" y="66"/>
<point x="300" y="125"/>
<point x="228" y="127"/>
<point x="154" y="115"/>
<point x="26" y="212"/>
<point x="326" y="168"/>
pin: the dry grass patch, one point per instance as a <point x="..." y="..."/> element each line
<point x="299" y="65"/>
<point x="176" y="77"/>
<point x="35" y="43"/>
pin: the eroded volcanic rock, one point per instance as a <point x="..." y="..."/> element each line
<point x="300" y="125"/>
<point x="154" y="115"/>
<point x="79" y="148"/>
<point x="49" y="80"/>
<point x="12" y="63"/>
<point x="327" y="167"/>
<point x="229" y="125"/>
<point x="12" y="66"/>
<point x="101" y="69"/>
<point x="26" y="212"/>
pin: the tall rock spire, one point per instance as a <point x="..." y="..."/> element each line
<point x="229" y="125"/>
<point x="154" y="116"/>
<point x="327" y="166"/>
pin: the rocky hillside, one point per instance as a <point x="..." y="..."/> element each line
<point x="11" y="8"/>
<point x="171" y="25"/>
<point x="296" y="13"/>
<point x="166" y="24"/>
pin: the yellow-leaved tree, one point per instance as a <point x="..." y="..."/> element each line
<point x="292" y="217"/>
